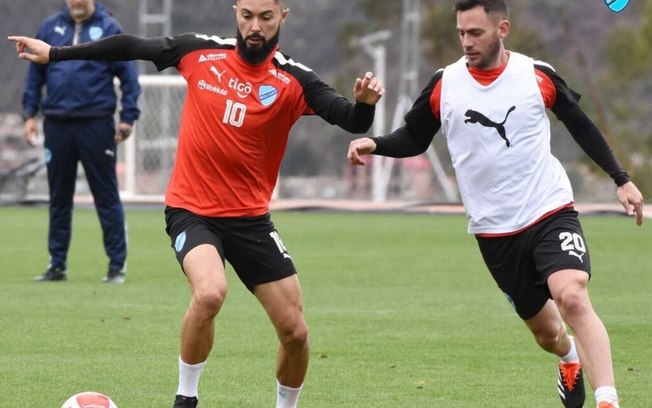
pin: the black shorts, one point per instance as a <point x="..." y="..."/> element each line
<point x="521" y="263"/>
<point x="250" y="244"/>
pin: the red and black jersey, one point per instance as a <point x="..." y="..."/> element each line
<point x="236" y="118"/>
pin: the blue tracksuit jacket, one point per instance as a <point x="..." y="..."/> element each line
<point x="65" y="98"/>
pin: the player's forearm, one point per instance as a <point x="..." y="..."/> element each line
<point x="590" y="139"/>
<point x="581" y="127"/>
<point x="121" y="47"/>
<point x="401" y="143"/>
<point x="337" y="110"/>
<point x="356" y="119"/>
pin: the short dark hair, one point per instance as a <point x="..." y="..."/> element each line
<point x="282" y="2"/>
<point x="490" y="6"/>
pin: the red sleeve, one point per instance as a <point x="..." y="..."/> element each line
<point x="435" y="101"/>
<point x="548" y="89"/>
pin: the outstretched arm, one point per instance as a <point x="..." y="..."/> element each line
<point x="121" y="47"/>
<point x="326" y="102"/>
<point x="412" y="139"/>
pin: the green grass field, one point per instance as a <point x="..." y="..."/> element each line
<point x="401" y="309"/>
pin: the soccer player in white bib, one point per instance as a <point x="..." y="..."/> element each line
<point x="490" y="106"/>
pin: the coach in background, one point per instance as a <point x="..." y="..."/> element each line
<point x="79" y="106"/>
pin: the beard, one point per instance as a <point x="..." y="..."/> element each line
<point x="78" y="11"/>
<point x="491" y="56"/>
<point x="258" y="53"/>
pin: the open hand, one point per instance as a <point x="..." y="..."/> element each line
<point x="368" y="90"/>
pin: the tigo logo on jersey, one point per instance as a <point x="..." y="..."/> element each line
<point x="242" y="89"/>
<point x="616" y="5"/>
<point x="267" y="94"/>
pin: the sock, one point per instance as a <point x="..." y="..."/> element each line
<point x="572" y="354"/>
<point x="286" y="397"/>
<point x="607" y="394"/>
<point x="189" y="378"/>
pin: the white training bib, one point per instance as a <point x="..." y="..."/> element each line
<point x="499" y="141"/>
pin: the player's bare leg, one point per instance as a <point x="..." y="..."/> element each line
<point x="205" y="272"/>
<point x="551" y="334"/>
<point x="549" y="330"/>
<point x="569" y="288"/>
<point x="283" y="303"/>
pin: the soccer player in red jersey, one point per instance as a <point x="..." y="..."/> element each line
<point x="491" y="107"/>
<point x="243" y="96"/>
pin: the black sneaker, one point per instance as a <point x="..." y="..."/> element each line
<point x="52" y="275"/>
<point x="185" y="402"/>
<point x="114" y="276"/>
<point x="570" y="385"/>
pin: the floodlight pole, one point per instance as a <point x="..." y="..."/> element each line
<point x="373" y="44"/>
<point x="154" y="20"/>
<point x="409" y="87"/>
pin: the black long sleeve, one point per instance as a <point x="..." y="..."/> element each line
<point x="121" y="47"/>
<point x="420" y="127"/>
<point x="356" y="120"/>
<point x="334" y="108"/>
<point x="585" y="133"/>
<point x="337" y="110"/>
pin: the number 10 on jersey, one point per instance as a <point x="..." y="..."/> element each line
<point x="234" y="113"/>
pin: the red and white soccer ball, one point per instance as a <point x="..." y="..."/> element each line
<point x="89" y="399"/>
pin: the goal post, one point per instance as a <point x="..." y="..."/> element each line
<point x="147" y="158"/>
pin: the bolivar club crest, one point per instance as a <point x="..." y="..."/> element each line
<point x="267" y="95"/>
<point x="616" y="5"/>
<point x="95" y="33"/>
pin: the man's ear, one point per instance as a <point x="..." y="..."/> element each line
<point x="503" y="28"/>
<point x="284" y="14"/>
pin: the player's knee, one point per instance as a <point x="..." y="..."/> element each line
<point x="549" y="334"/>
<point x="294" y="337"/>
<point x="209" y="302"/>
<point x="573" y="302"/>
<point x="547" y="339"/>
